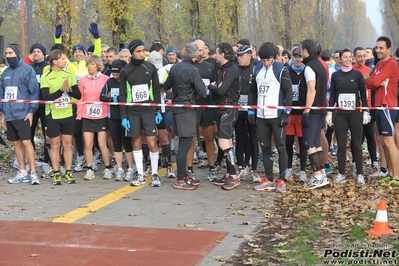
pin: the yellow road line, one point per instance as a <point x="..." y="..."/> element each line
<point x="94" y="206"/>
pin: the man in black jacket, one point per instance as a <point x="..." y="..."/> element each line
<point x="187" y="85"/>
<point x="226" y="91"/>
<point x="139" y="84"/>
<point x="312" y="93"/>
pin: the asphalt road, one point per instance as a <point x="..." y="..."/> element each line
<point x="107" y="202"/>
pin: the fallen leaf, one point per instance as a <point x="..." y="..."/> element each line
<point x="190" y="225"/>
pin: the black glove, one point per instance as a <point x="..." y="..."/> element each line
<point x="58" y="31"/>
<point x="284" y="119"/>
<point x="251" y="117"/>
<point x="305" y="119"/>
<point x="94" y="30"/>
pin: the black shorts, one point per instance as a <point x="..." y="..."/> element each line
<point x="142" y="121"/>
<point x="94" y="125"/>
<point x="56" y="127"/>
<point x="118" y="136"/>
<point x="205" y="117"/>
<point x="184" y="124"/>
<point x="18" y="130"/>
<point x="162" y="125"/>
<point x="226" y="120"/>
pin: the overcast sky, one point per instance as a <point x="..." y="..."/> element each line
<point x="373" y="12"/>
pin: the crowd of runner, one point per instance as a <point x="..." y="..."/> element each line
<point x="86" y="120"/>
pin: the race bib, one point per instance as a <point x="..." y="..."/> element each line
<point x="347" y="100"/>
<point x="114" y="92"/>
<point x="263" y="87"/>
<point x="11" y="93"/>
<point x="206" y="81"/>
<point x="243" y="101"/>
<point x="140" y="93"/>
<point x="295" y="93"/>
<point x="94" y="110"/>
<point x="63" y="101"/>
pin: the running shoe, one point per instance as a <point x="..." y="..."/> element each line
<point x="57" y="179"/>
<point x="203" y="163"/>
<point x="147" y="171"/>
<point x="192" y="176"/>
<point x="221" y="181"/>
<point x="328" y="169"/>
<point x="34" y="179"/>
<point x="281" y="186"/>
<point x="218" y="168"/>
<point x="80" y="162"/>
<point x="184" y="184"/>
<point x="360" y="180"/>
<point x="170" y="172"/>
<point x="119" y="175"/>
<point x="375" y="165"/>
<point x="340" y="179"/>
<point x="379" y="174"/>
<point x="384" y="181"/>
<point x="89" y="175"/>
<point x="394" y="182"/>
<point x="289" y="174"/>
<point x="231" y="183"/>
<point x="107" y="174"/>
<point x="19" y="179"/>
<point x="69" y="178"/>
<point x="155" y="181"/>
<point x="47" y="171"/>
<point x="212" y="175"/>
<point x="316" y="183"/>
<point x="62" y="170"/>
<point x="302" y="177"/>
<point x="129" y="175"/>
<point x="255" y="177"/>
<point x="266" y="185"/>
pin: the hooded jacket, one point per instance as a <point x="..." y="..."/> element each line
<point x="23" y="77"/>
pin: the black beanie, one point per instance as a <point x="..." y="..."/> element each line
<point x="117" y="65"/>
<point x="266" y="51"/>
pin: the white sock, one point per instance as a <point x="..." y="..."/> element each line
<point x="154" y="162"/>
<point x="24" y="172"/>
<point x="138" y="157"/>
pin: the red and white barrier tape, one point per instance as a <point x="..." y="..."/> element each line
<point x="219" y="106"/>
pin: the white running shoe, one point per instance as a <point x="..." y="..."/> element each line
<point x="340" y="179"/>
<point x="316" y="183"/>
<point x="89" y="175"/>
<point x="34" y="179"/>
<point x="80" y="163"/>
<point x="129" y="175"/>
<point x="47" y="170"/>
<point x="107" y="174"/>
<point x="302" y="177"/>
<point x="19" y="179"/>
<point x="119" y="175"/>
<point x="360" y="180"/>
<point x="155" y="181"/>
<point x="170" y="172"/>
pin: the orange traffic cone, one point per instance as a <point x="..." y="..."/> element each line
<point x="381" y="226"/>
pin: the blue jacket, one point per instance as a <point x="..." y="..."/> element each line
<point x="24" y="78"/>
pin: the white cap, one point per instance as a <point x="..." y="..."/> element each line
<point x="156" y="59"/>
